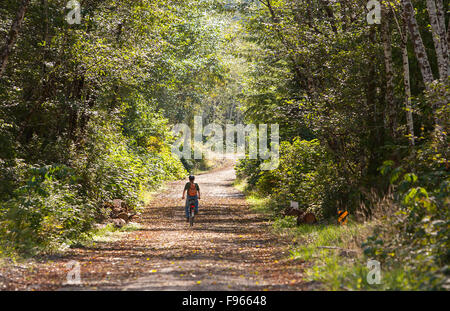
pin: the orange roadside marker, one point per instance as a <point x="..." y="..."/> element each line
<point x="343" y="217"/>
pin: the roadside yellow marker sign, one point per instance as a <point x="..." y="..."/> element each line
<point x="343" y="217"/>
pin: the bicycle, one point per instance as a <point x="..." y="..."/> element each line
<point x="191" y="204"/>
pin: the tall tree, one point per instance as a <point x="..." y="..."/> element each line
<point x="439" y="36"/>
<point x="13" y="34"/>
<point x="419" y="47"/>
<point x="407" y="81"/>
<point x="287" y="45"/>
<point x="448" y="33"/>
<point x="390" y="110"/>
<point x="443" y="35"/>
<point x="403" y="31"/>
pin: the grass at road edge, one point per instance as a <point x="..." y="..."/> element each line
<point x="331" y="252"/>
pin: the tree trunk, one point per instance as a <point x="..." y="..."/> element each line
<point x="390" y="109"/>
<point x="419" y="48"/>
<point x="443" y="35"/>
<point x="403" y="31"/>
<point x="12" y="36"/>
<point x="406" y="81"/>
<point x="448" y="34"/>
<point x="439" y="38"/>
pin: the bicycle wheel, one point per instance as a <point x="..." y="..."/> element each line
<point x="191" y="216"/>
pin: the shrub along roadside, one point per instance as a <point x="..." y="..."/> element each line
<point x="336" y="256"/>
<point x="306" y="174"/>
<point x="55" y="205"/>
<point x="323" y="265"/>
<point x="407" y="222"/>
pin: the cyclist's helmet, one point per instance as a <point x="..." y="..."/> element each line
<point x="191" y="177"/>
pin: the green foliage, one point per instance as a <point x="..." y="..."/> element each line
<point x="86" y="112"/>
<point x="319" y="70"/>
<point x="46" y="211"/>
<point x="417" y="237"/>
<point x="306" y="174"/>
<point x="89" y="99"/>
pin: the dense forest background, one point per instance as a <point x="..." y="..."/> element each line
<point x="86" y="112"/>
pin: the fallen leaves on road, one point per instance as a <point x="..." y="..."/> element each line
<point x="229" y="247"/>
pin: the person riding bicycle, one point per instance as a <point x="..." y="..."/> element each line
<point x="193" y="192"/>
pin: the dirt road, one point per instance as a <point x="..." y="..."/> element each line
<point x="229" y="248"/>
